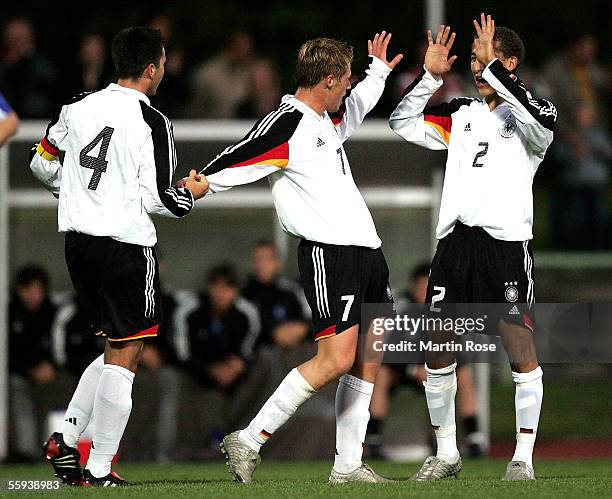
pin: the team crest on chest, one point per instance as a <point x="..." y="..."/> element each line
<point x="509" y="127"/>
<point x="511" y="291"/>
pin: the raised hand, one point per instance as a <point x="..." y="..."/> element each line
<point x="378" y="48"/>
<point x="437" y="61"/>
<point x="196" y="184"/>
<point x="483" y="44"/>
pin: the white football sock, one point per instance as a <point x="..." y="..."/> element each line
<point x="112" y="407"/>
<point x="352" y="415"/>
<point x="293" y="391"/>
<point x="528" y="403"/>
<point x="440" y="390"/>
<point x="81" y="406"/>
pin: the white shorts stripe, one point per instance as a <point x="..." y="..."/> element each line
<point x="528" y="264"/>
<point x="149" y="290"/>
<point x="324" y="282"/>
<point x="316" y="279"/>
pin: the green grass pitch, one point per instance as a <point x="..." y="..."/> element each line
<point x="481" y="478"/>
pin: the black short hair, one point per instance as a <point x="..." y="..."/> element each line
<point x="30" y="273"/>
<point x="134" y="49"/>
<point x="510" y="43"/>
<point x="224" y="272"/>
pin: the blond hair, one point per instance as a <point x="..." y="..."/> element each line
<point x="321" y="57"/>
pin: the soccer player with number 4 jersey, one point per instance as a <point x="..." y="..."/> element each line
<point x="118" y="162"/>
<point x="495" y="145"/>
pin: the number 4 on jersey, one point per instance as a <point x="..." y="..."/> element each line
<point x="97" y="164"/>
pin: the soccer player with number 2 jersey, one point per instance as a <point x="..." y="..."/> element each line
<point x="495" y="145"/>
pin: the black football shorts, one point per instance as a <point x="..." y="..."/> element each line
<point x="118" y="285"/>
<point x="337" y="280"/>
<point x="471" y="266"/>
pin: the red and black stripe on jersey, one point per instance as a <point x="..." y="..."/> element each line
<point x="439" y="116"/>
<point x="543" y="111"/>
<point x="177" y="200"/>
<point x="267" y="143"/>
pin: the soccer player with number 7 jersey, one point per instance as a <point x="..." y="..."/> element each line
<point x="299" y="147"/>
<point x="495" y="145"/>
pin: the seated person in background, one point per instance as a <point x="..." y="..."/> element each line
<point x="73" y="348"/>
<point x="31" y="314"/>
<point x="223" y="332"/>
<point x="282" y="306"/>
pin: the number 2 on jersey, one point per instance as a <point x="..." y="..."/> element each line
<point x="480" y="154"/>
<point x="97" y="164"/>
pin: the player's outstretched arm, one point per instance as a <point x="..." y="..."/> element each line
<point x="262" y="152"/>
<point x="411" y="120"/>
<point x="367" y="92"/>
<point x="534" y="117"/>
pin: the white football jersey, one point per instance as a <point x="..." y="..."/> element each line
<point x="492" y="155"/>
<point x="117" y="168"/>
<point x="301" y="151"/>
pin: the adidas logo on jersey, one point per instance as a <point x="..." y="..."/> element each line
<point x="320" y="142"/>
<point x="514" y="311"/>
<point x="467" y="128"/>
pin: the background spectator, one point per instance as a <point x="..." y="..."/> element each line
<point x="31" y="314"/>
<point x="264" y="93"/>
<point x="222" y="333"/>
<point x="280" y="303"/>
<point x="27" y="79"/>
<point x="74" y="346"/>
<point x="93" y="70"/>
<point x="173" y="95"/>
<point x="577" y="83"/>
<point x="585" y="181"/>
<point x="224" y="82"/>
